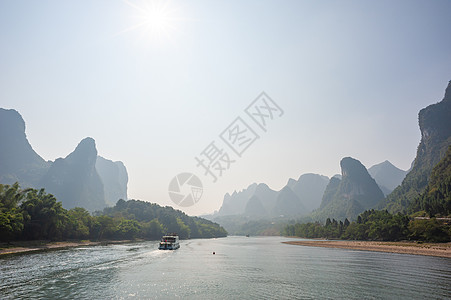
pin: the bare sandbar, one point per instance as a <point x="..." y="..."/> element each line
<point x="34" y="246"/>
<point x="429" y="249"/>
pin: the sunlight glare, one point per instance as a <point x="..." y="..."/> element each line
<point x="156" y="18"/>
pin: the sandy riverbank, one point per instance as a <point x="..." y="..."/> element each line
<point x="440" y="250"/>
<point x="34" y="246"/>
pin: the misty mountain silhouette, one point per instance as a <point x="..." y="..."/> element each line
<point x="74" y="180"/>
<point x="18" y="161"/>
<point x="387" y="176"/>
<point x="81" y="179"/>
<point x="348" y="197"/>
<point x="298" y="197"/>
<point x="310" y="189"/>
<point x="114" y="177"/>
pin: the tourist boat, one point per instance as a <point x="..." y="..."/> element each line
<point x="169" y="242"/>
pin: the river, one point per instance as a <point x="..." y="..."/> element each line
<point x="241" y="268"/>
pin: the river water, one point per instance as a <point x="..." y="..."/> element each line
<point x="242" y="268"/>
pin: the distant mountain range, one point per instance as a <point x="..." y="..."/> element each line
<point x="342" y="196"/>
<point x="387" y="176"/>
<point x="298" y="197"/>
<point x="260" y="210"/>
<point x="80" y="179"/>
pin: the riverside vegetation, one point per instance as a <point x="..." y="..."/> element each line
<point x="31" y="214"/>
<point x="375" y="225"/>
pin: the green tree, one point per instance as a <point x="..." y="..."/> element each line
<point x="11" y="217"/>
<point x="328" y="222"/>
<point x="103" y="227"/>
<point x="128" y="229"/>
<point x="183" y="230"/>
<point x="430" y="230"/>
<point x="356" y="231"/>
<point x="153" y="230"/>
<point x="346" y="223"/>
<point x="79" y="224"/>
<point x="44" y="217"/>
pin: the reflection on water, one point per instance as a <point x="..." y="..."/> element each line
<point x="241" y="268"/>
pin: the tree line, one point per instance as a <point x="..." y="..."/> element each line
<point x="376" y="225"/>
<point x="31" y="214"/>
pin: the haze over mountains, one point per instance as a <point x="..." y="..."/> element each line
<point x="358" y="189"/>
<point x="343" y="195"/>
<point x="18" y="161"/>
<point x="114" y="177"/>
<point x="387" y="176"/>
<point x="81" y="179"/>
<point x="296" y="198"/>
<point x="260" y="210"/>
<point x="309" y="188"/>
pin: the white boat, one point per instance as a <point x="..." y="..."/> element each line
<point x="169" y="242"/>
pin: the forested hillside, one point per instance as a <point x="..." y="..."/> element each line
<point x="163" y="219"/>
<point x="435" y="127"/>
<point x="32" y="214"/>
<point x="436" y="198"/>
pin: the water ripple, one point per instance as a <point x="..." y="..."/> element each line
<point x="256" y="268"/>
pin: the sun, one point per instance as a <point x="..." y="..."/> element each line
<point x="156" y="18"/>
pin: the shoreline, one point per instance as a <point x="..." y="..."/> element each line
<point x="37" y="246"/>
<point x="427" y="249"/>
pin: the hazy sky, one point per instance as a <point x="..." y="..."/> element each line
<point x="154" y="83"/>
